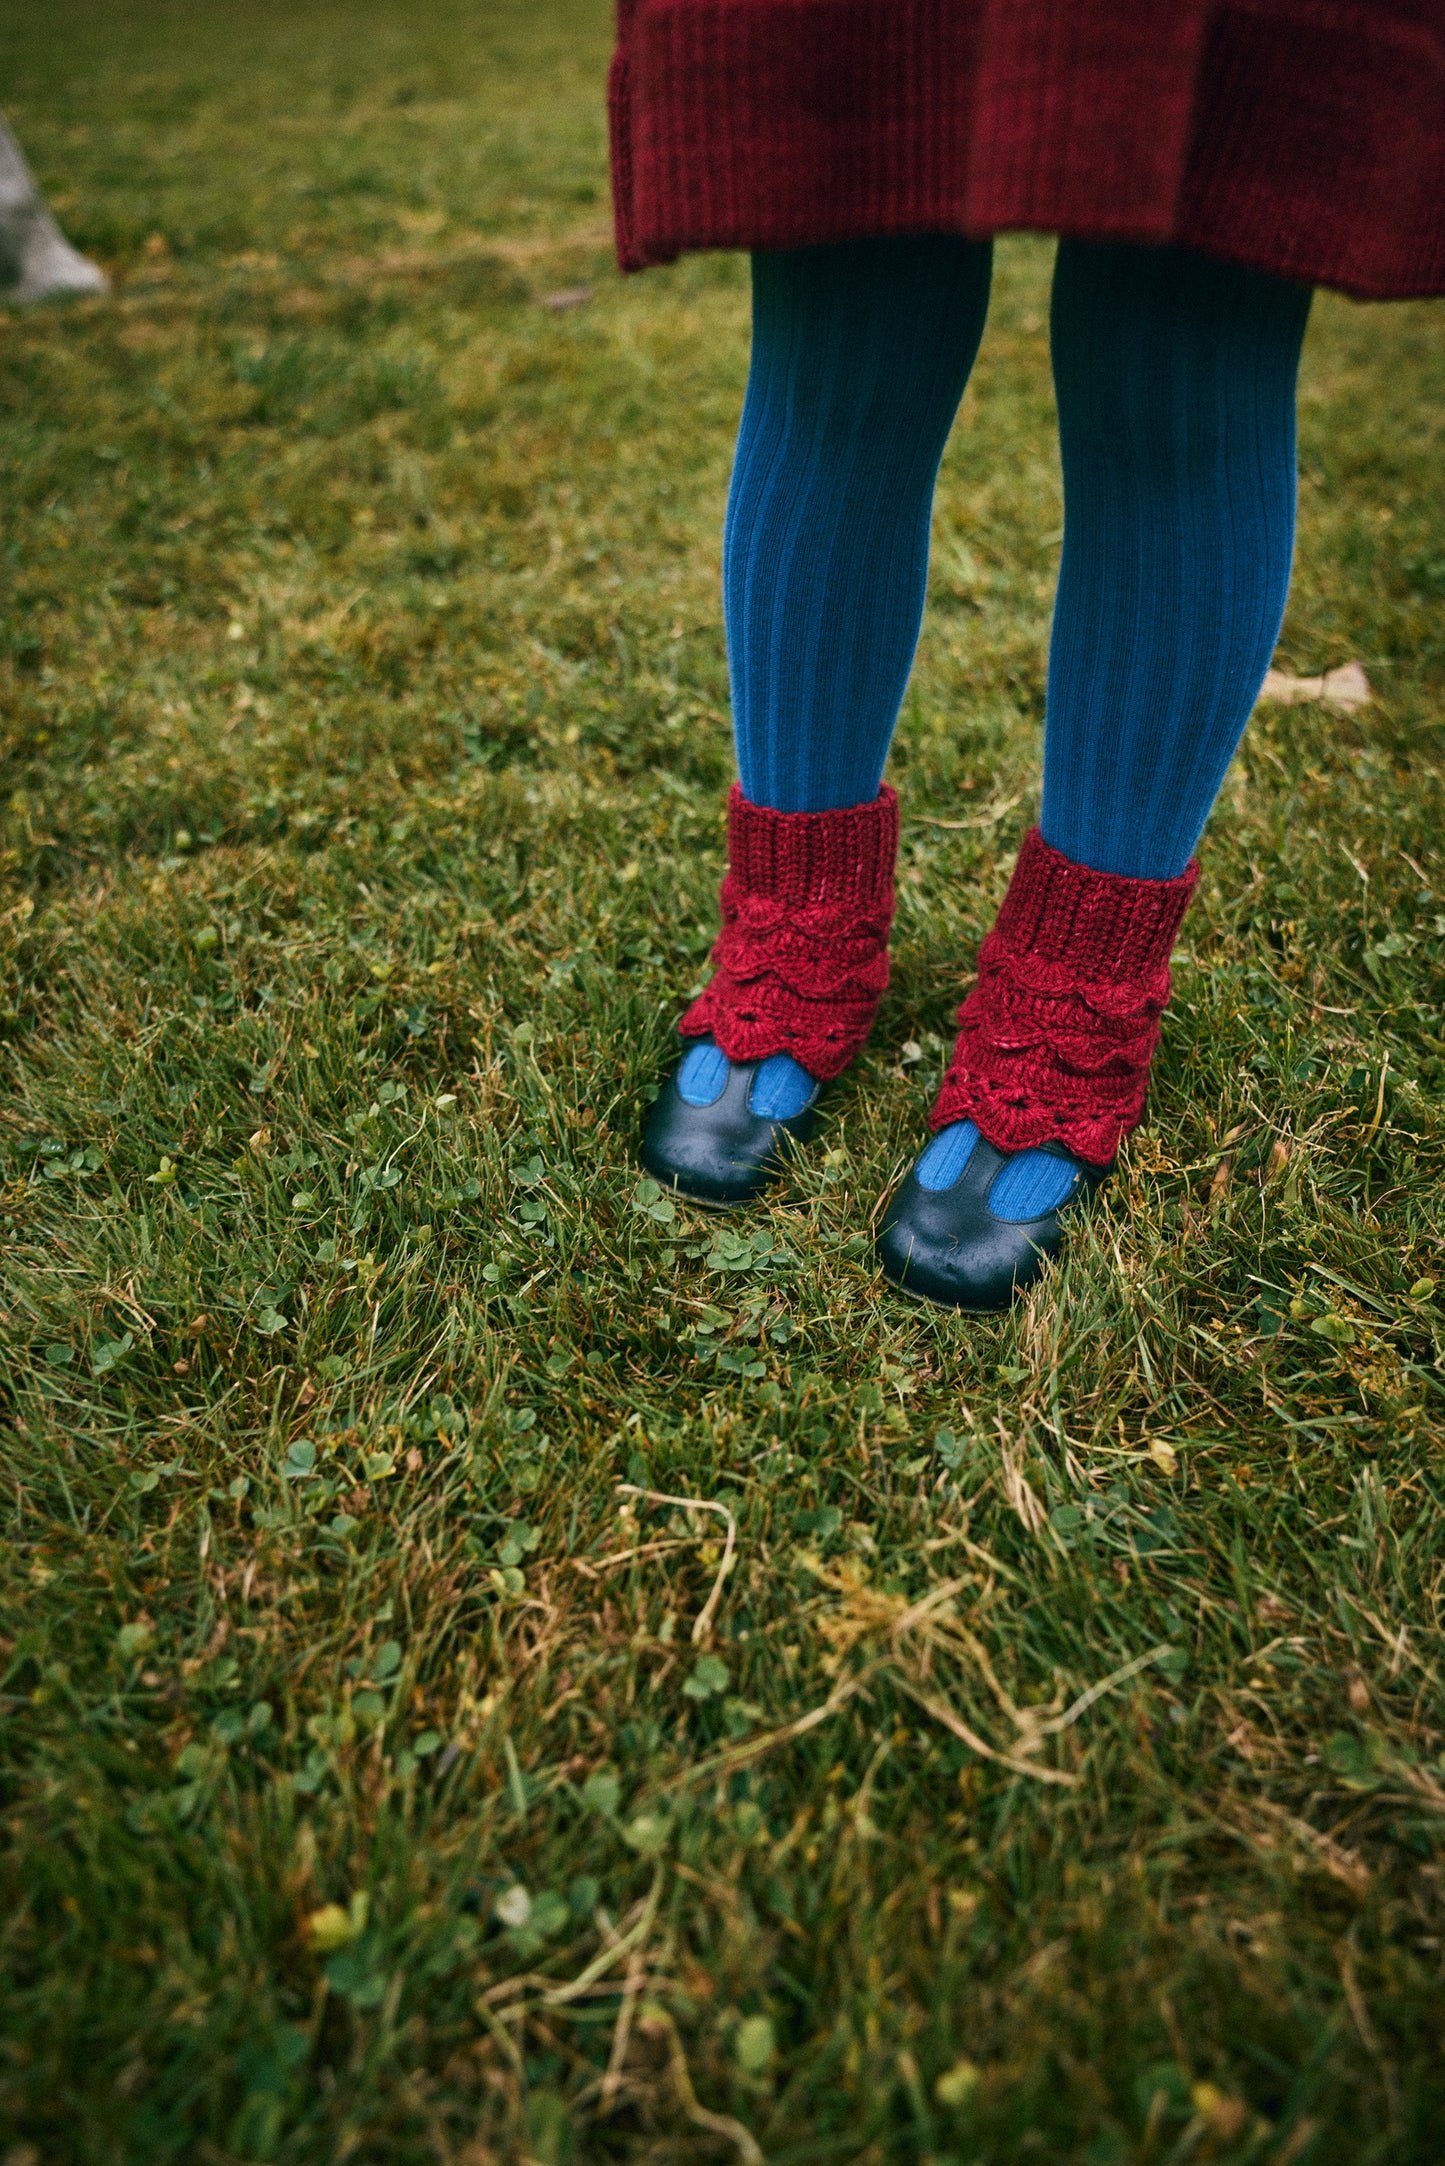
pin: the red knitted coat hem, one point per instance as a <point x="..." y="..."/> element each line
<point x="802" y="959"/>
<point x="1056" y="1038"/>
<point x="1300" y="137"/>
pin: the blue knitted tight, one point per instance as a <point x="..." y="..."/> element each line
<point x="861" y="352"/>
<point x="1175" y="379"/>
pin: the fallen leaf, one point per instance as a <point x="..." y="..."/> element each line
<point x="331" y="1927"/>
<point x="957" y="2084"/>
<point x="514" y="1906"/>
<point x="1346" y="687"/>
<point x="754" y="2045"/>
<point x="1224" y="2117"/>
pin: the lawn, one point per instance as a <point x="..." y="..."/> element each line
<point x="497" y="1667"/>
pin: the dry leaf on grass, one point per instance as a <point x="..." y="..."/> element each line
<point x="1346" y="687"/>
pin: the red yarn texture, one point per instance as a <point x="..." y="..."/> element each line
<point x="1056" y="1038"/>
<point x="1302" y="137"/>
<point x="802" y="959"/>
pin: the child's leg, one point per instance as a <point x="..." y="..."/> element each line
<point x="1175" y="380"/>
<point x="861" y="352"/>
<point x="1176" y="386"/>
<point x="860" y="355"/>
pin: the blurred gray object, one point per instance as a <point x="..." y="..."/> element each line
<point x="37" y="262"/>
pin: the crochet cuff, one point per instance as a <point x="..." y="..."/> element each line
<point x="1056" y="1038"/>
<point x="802" y="959"/>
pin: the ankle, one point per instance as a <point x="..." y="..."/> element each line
<point x="802" y="959"/>
<point x="1056" y="1038"/>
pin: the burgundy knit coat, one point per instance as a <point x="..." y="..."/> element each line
<point x="1301" y="137"/>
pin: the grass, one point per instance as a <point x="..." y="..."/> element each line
<point x="365" y="730"/>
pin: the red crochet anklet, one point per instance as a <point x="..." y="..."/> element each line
<point x="1056" y="1038"/>
<point x="802" y="959"/>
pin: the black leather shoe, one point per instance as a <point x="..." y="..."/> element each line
<point x="720" y="1153"/>
<point x="958" y="1245"/>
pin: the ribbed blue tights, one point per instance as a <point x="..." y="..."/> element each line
<point x="861" y="352"/>
<point x="1175" y="378"/>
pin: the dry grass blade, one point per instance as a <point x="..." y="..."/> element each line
<point x="920" y="1613"/>
<point x="656" y="2017"/>
<point x="622" y="2033"/>
<point x="1378" y="1115"/>
<point x="928" y="1607"/>
<point x="1017" y="1489"/>
<point x="496" y="2024"/>
<point x="955" y="1724"/>
<point x="702" y="1626"/>
<point x="1369" y="2036"/>
<point x="634" y="1937"/>
<point x="1331" y="1856"/>
<point x="980" y="1655"/>
<point x="753" y="1748"/>
<point x="594" y="1567"/>
<point x="550" y="1995"/>
<point x="1051" y="1726"/>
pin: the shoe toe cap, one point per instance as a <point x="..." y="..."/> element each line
<point x="698" y="1166"/>
<point x="953" y="1269"/>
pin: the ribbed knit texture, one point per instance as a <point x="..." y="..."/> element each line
<point x="1056" y="1038"/>
<point x="1303" y="137"/>
<point x="1176" y="393"/>
<point x="860" y="356"/>
<point x="1175" y="381"/>
<point x="802" y="959"/>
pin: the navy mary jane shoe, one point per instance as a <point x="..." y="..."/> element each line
<point x="719" y="1129"/>
<point x="971" y="1226"/>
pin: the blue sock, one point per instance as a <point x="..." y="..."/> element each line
<point x="1176" y="387"/>
<point x="1026" y="1187"/>
<point x="781" y="1088"/>
<point x="861" y="351"/>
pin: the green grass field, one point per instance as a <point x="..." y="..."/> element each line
<point x="1058" y="1773"/>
